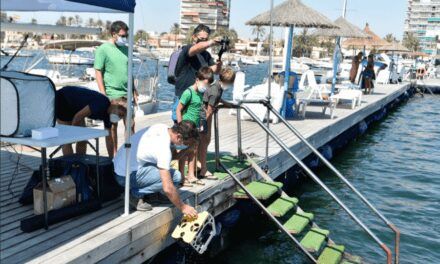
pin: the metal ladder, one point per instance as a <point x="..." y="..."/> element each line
<point x="309" y="172"/>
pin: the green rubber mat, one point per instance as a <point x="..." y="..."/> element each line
<point x="232" y="163"/>
<point x="331" y="254"/>
<point x="282" y="205"/>
<point x="298" y="222"/>
<point x="260" y="189"/>
<point x="314" y="239"/>
<point x="352" y="260"/>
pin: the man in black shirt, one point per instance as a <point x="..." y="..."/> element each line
<point x="191" y="59"/>
<point x="73" y="104"/>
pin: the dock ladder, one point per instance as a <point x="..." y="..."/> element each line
<point x="312" y="243"/>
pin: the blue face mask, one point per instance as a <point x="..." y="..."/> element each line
<point x="179" y="147"/>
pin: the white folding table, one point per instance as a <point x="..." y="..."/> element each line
<point x="66" y="135"/>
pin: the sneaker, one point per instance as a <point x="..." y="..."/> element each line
<point x="140" y="204"/>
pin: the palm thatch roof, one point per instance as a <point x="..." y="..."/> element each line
<point x="374" y="41"/>
<point x="395" y="47"/>
<point x="293" y="13"/>
<point x="346" y="30"/>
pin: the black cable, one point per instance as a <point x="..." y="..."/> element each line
<point x="16" y="52"/>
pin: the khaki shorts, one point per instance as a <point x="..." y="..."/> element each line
<point x="123" y="102"/>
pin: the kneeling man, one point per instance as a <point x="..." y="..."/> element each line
<point x="152" y="150"/>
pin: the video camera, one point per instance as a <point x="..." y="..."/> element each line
<point x="224" y="46"/>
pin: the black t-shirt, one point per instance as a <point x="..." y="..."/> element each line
<point x="72" y="99"/>
<point x="187" y="68"/>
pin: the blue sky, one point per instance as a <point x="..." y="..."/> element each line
<point x="384" y="16"/>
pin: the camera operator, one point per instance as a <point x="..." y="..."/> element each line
<point x="193" y="57"/>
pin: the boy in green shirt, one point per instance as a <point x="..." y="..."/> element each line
<point x="111" y="67"/>
<point x="189" y="108"/>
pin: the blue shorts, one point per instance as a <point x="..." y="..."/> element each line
<point x="174" y="109"/>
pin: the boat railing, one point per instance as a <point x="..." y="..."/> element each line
<point x="240" y="106"/>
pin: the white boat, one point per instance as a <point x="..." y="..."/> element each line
<point x="248" y="61"/>
<point x="295" y="66"/>
<point x="62" y="58"/>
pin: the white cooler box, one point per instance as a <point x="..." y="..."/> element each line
<point x="27" y="102"/>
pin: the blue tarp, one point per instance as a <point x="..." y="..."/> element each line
<point x="121" y="5"/>
<point x="92" y="6"/>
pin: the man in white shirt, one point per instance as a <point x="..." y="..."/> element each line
<point x="151" y="154"/>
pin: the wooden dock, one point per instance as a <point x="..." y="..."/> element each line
<point x="105" y="236"/>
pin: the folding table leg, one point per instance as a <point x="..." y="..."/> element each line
<point x="98" y="180"/>
<point x="44" y="180"/>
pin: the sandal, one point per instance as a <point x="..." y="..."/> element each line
<point x="190" y="183"/>
<point x="209" y="176"/>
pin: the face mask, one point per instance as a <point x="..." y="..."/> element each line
<point x="202" y="89"/>
<point x="200" y="40"/>
<point x="121" y="41"/>
<point x="179" y="147"/>
<point x="114" y="118"/>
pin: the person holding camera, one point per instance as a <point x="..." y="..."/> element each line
<point x="193" y="57"/>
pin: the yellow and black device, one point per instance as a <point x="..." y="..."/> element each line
<point x="197" y="232"/>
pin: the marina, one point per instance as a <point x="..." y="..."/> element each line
<point x="105" y="236"/>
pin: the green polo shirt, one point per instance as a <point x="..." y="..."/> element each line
<point x="112" y="61"/>
<point x="193" y="100"/>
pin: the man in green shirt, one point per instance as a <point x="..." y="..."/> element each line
<point x="189" y="108"/>
<point x="111" y="66"/>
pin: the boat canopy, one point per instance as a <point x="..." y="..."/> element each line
<point x="72" y="45"/>
<point x="50" y="29"/>
<point x="92" y="6"/>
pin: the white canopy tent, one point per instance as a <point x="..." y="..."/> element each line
<point x="92" y="6"/>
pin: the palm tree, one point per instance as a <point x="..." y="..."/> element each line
<point x="78" y="20"/>
<point x="303" y="44"/>
<point x="175" y="29"/>
<point x="389" y="38"/>
<point x="91" y="22"/>
<point x="33" y="21"/>
<point x="141" y="35"/>
<point x="62" y="21"/>
<point x="70" y="21"/>
<point x="411" y="41"/>
<point x="259" y="31"/>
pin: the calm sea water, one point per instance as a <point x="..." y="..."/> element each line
<point x="396" y="165"/>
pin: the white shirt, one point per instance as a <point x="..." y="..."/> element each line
<point x="119" y="159"/>
<point x="154" y="147"/>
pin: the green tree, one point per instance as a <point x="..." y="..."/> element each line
<point x="175" y="29"/>
<point x="188" y="37"/>
<point x="411" y="41"/>
<point x="389" y="38"/>
<point x="33" y="21"/>
<point x="70" y="21"/>
<point x="259" y="32"/>
<point x="78" y="20"/>
<point x="91" y="22"/>
<point x="231" y="34"/>
<point x="62" y="21"/>
<point x="141" y="35"/>
<point x="303" y="44"/>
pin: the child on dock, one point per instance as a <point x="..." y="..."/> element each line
<point x="211" y="100"/>
<point x="189" y="108"/>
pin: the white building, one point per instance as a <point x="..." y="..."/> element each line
<point x="213" y="13"/>
<point x="423" y="20"/>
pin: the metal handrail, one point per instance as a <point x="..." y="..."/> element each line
<point x="263" y="208"/>
<point x="309" y="172"/>
<point x="340" y="176"/>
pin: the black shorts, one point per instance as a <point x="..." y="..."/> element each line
<point x="63" y="111"/>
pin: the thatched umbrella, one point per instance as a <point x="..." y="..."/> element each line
<point x="394" y="47"/>
<point x="346" y="29"/>
<point x="374" y="41"/>
<point x="291" y="13"/>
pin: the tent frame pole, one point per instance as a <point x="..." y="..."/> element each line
<point x="287" y="69"/>
<point x="129" y="116"/>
